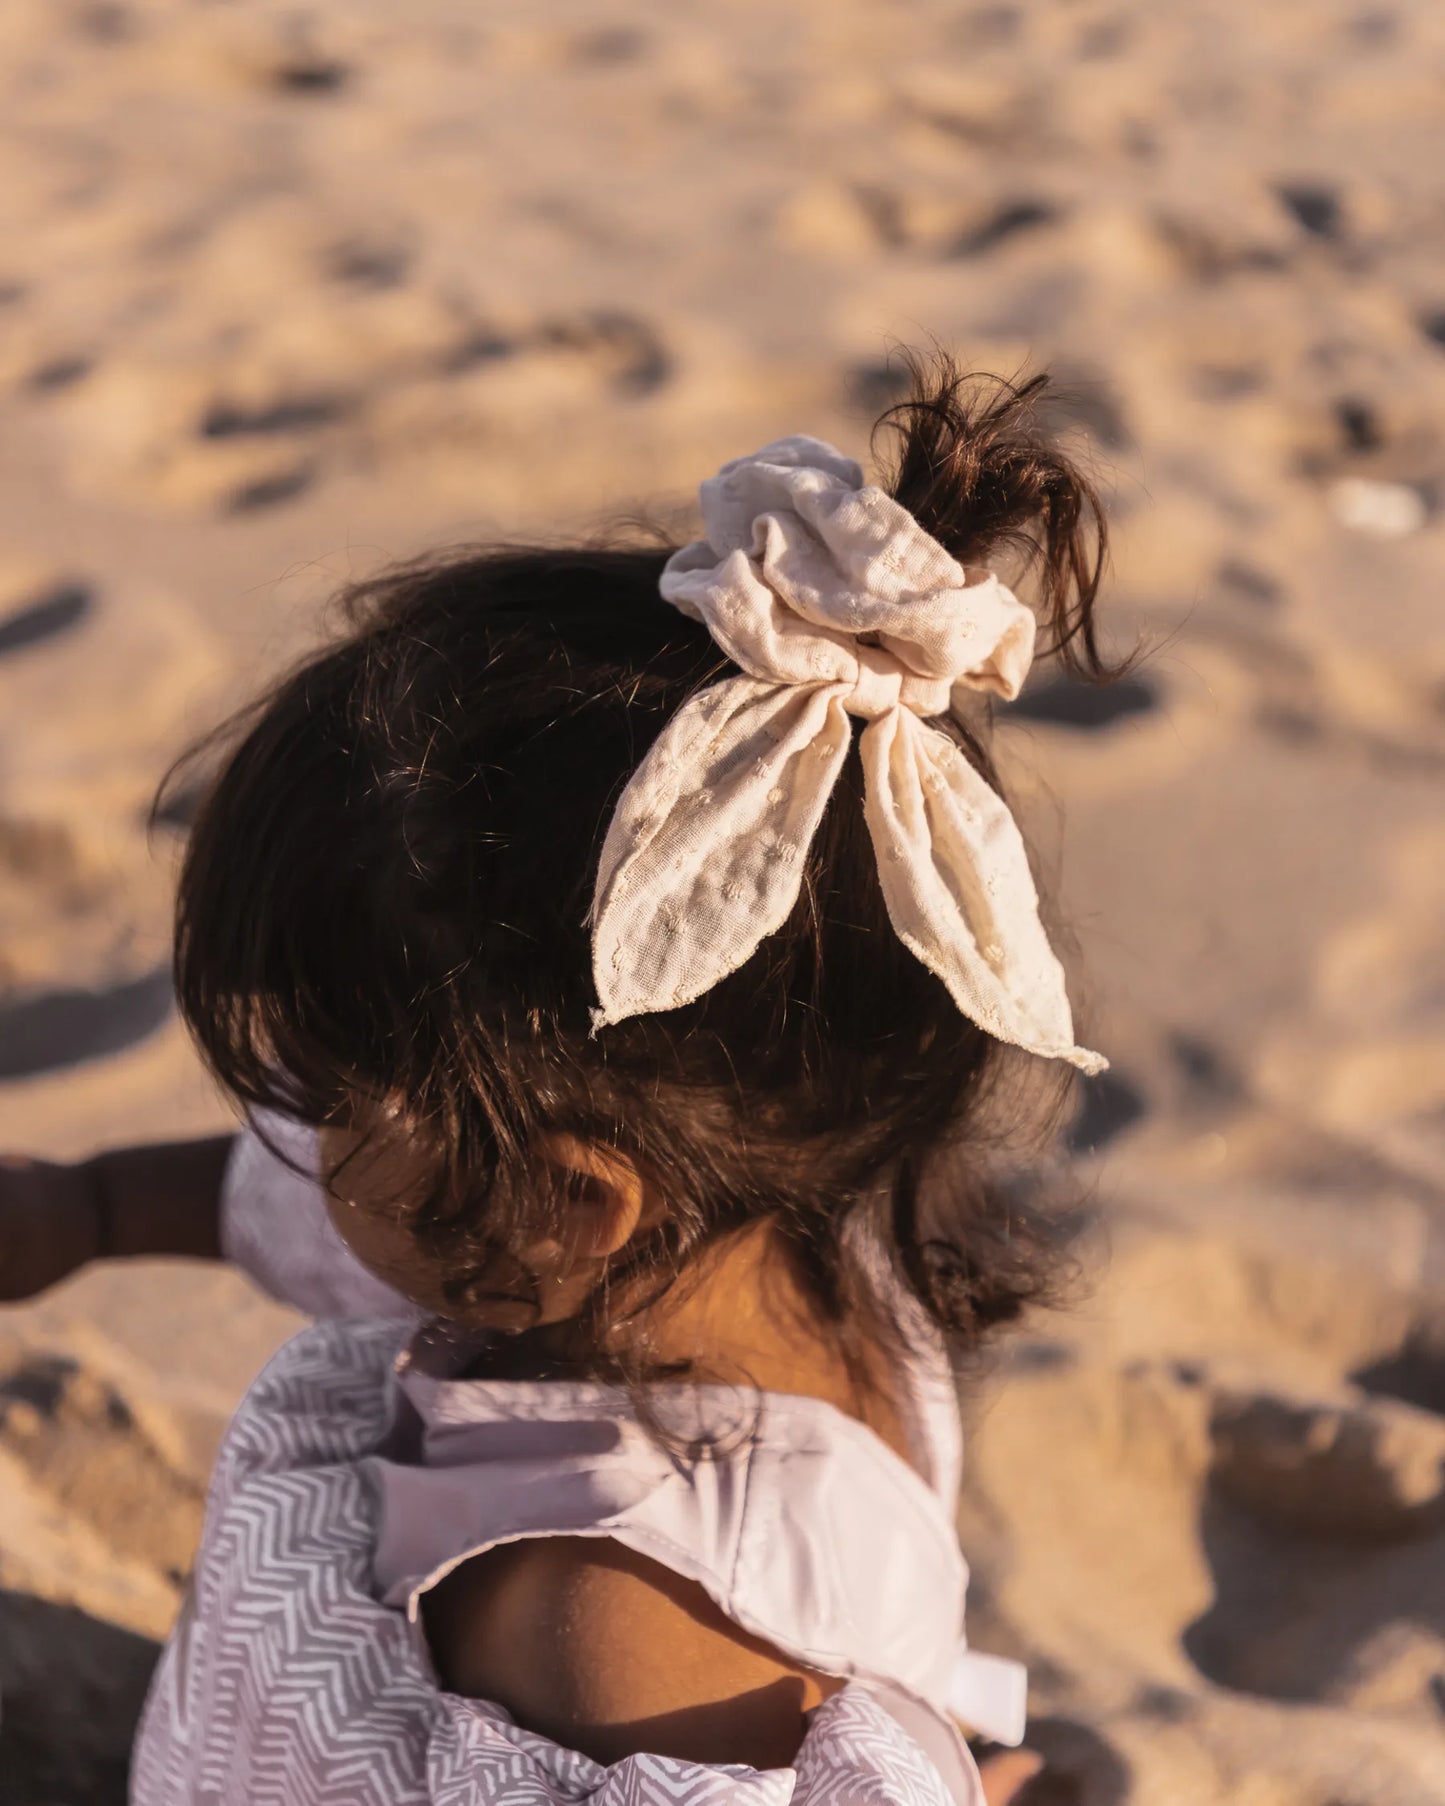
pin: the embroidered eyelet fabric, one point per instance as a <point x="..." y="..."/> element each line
<point x="833" y="602"/>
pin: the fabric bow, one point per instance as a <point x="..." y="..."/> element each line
<point x="832" y="601"/>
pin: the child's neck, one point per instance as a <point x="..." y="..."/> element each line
<point x="745" y="1315"/>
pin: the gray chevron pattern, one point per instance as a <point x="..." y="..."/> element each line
<point x="287" y="1684"/>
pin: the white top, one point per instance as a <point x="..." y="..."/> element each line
<point x="360" y="1470"/>
<point x="275" y="1227"/>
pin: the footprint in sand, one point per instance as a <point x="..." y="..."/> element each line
<point x="607" y="47"/>
<point x="192" y="437"/>
<point x="53" y="1029"/>
<point x="1208" y="1079"/>
<point x="1082" y="1768"/>
<point x="1217" y="236"/>
<point x="1354" y="1469"/>
<point x="1375" y="438"/>
<point x="215" y="437"/>
<point x="1285" y="1537"/>
<point x="622" y="348"/>
<point x="1323" y="1521"/>
<point x="1364" y="1057"/>
<point x="1109" y="1104"/>
<point x="1065" y="702"/>
<point x="1080" y="397"/>
<point x="104" y="21"/>
<point x="309" y="75"/>
<point x="84" y="897"/>
<point x="57" y="609"/>
<point x="59" y="373"/>
<point x="1228" y="381"/>
<point x="1414" y="1372"/>
<point x="1316" y="206"/>
<point x="71" y="1445"/>
<point x="1236" y="577"/>
<point x="1324" y="1526"/>
<point x="286" y="57"/>
<point x="90" y="1511"/>
<point x="374" y="263"/>
<point x="868" y="217"/>
<point x="1006" y="221"/>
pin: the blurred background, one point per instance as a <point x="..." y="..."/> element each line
<point x="289" y="290"/>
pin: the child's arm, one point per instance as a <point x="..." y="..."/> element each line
<point x="163" y="1198"/>
<point x="604" y="1651"/>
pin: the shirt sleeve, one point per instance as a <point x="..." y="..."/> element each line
<point x="276" y="1228"/>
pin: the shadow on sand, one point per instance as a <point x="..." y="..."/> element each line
<point x="60" y="1028"/>
<point x="71" y="1690"/>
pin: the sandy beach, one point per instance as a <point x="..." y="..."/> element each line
<point x="287" y="291"/>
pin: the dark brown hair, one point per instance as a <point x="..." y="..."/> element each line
<point x="388" y="885"/>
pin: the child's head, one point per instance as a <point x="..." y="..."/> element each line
<point x="383" y="926"/>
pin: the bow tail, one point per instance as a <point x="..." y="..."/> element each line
<point x="705" y="853"/>
<point x="958" y="888"/>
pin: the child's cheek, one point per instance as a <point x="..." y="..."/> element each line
<point x="368" y="1191"/>
<point x="387" y="1248"/>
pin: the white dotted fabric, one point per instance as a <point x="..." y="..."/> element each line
<point x="832" y="601"/>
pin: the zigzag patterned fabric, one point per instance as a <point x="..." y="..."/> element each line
<point x="286" y="1683"/>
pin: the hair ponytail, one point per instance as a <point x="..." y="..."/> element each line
<point x="977" y="470"/>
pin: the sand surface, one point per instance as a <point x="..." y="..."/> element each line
<point x="286" y="290"/>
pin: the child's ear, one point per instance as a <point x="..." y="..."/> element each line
<point x="606" y="1201"/>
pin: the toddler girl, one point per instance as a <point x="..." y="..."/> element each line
<point x="620" y="953"/>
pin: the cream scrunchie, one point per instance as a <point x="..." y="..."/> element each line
<point x="833" y="601"/>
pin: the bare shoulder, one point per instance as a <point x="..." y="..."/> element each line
<point x="610" y="1653"/>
